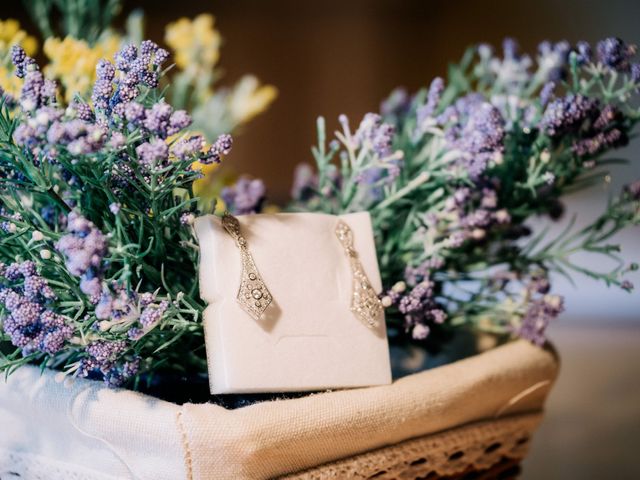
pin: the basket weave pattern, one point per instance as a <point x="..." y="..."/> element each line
<point x="483" y="450"/>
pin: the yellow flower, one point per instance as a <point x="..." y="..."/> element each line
<point x="195" y="43"/>
<point x="10" y="35"/>
<point x="73" y="62"/>
<point x="205" y="186"/>
<point x="9" y="82"/>
<point x="248" y="99"/>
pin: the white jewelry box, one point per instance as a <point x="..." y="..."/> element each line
<point x="308" y="339"/>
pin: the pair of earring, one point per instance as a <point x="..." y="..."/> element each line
<point x="254" y="296"/>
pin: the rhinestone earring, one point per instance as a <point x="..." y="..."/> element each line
<point x="365" y="304"/>
<point x="253" y="294"/>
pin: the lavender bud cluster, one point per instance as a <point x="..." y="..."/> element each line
<point x="30" y="324"/>
<point x="84" y="248"/>
<point x="104" y="359"/>
<point x="246" y="196"/>
<point x="568" y="114"/>
<point x="376" y="134"/>
<point x="477" y="129"/>
<point x="418" y="306"/>
<point x="427" y="110"/>
<point x="540" y="312"/>
<point x="615" y="53"/>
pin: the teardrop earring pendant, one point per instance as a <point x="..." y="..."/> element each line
<point x="253" y="295"/>
<point x="365" y="304"/>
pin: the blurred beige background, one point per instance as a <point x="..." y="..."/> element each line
<point x="334" y="57"/>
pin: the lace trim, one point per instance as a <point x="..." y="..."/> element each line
<point x="27" y="466"/>
<point x="475" y="447"/>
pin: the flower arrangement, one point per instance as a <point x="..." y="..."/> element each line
<point x="452" y="174"/>
<point x="98" y="260"/>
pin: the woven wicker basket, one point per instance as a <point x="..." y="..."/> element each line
<point x="472" y="419"/>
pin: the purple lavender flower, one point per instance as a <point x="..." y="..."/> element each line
<point x="83" y="111"/>
<point x="105" y="70"/>
<point x="433" y="99"/>
<point x="104" y="306"/>
<point x="246" y="196"/>
<point x="18" y="57"/>
<point x="147" y="298"/>
<point x="36" y="288"/>
<point x="22" y="63"/>
<point x="615" y="53"/>
<point x="372" y="179"/>
<point x="546" y="92"/>
<point x="188" y="148"/>
<point x="134" y="112"/>
<point x="153" y="154"/>
<point x="148" y="47"/>
<point x="102" y="91"/>
<point x="29" y="324"/>
<point x="481" y="136"/>
<point x="135" y="333"/>
<point x="419" y="309"/>
<point x="118" y="375"/>
<point x="539" y="314"/>
<point x="157" y="119"/>
<point x="117" y="140"/>
<point x="485" y="129"/>
<point x="84" y="247"/>
<point x="178" y="121"/>
<point x="125" y="57"/>
<point x="56" y="332"/>
<point x="152" y="314"/>
<point x="609" y="116"/>
<point x="600" y="141"/>
<point x="377" y="134"/>
<point x="31" y="95"/>
<point x="512" y="71"/>
<point x="222" y="146"/>
<point x="416" y="275"/>
<point x="583" y="53"/>
<point x="567" y="114"/>
<point x="91" y="286"/>
<point x="106" y="360"/>
<point x="105" y="352"/>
